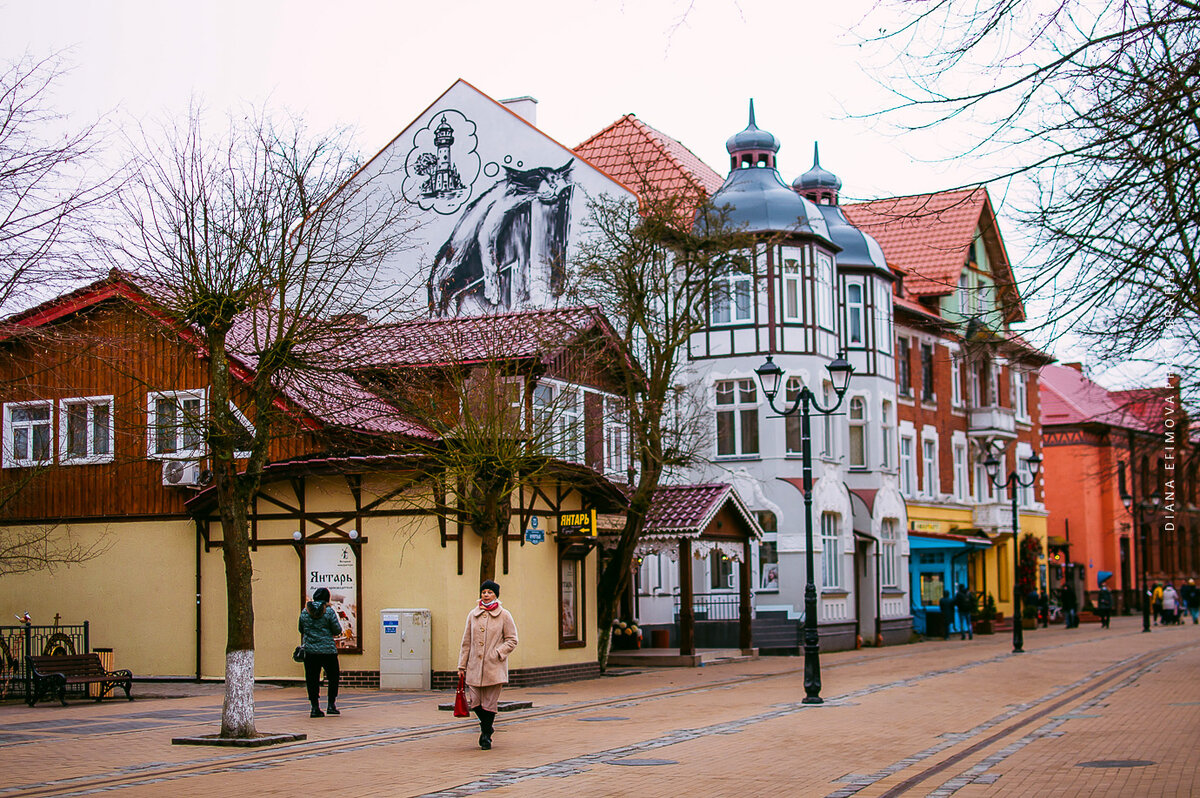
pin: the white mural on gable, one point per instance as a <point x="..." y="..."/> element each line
<point x="499" y="207"/>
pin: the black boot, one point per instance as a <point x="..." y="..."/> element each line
<point x="316" y="712"/>
<point x="485" y="727"/>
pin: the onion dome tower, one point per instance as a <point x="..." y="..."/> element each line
<point x="754" y="195"/>
<point x="821" y="187"/>
<point x="817" y="184"/>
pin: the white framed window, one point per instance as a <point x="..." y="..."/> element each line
<point x="558" y="417"/>
<point x="993" y="391"/>
<point x="885" y="433"/>
<point x="930" y="465"/>
<point x="889" y="555"/>
<point x="175" y="424"/>
<point x="974" y="389"/>
<point x="908" y="467"/>
<point x="883" y="311"/>
<point x="964" y="290"/>
<point x="858" y="432"/>
<point x="960" y="472"/>
<point x="792" y="432"/>
<point x="737" y="418"/>
<point x="27" y="434"/>
<point x="984" y="489"/>
<point x="793" y="305"/>
<point x="1018" y="381"/>
<point x="85" y="430"/>
<point x="956" y="394"/>
<point x="732" y="298"/>
<point x="824" y="298"/>
<point x="830" y="442"/>
<point x="855" y="313"/>
<point x="1024" y="492"/>
<point x="616" y="437"/>
<point x="831" y="552"/>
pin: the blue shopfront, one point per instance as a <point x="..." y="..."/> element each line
<point x="939" y="564"/>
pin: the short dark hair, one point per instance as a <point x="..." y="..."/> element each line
<point x="321" y="594"/>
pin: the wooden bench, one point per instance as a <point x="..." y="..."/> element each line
<point x="55" y="673"/>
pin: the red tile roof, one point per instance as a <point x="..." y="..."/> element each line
<point x="927" y="234"/>
<point x="1068" y="397"/>
<point x="473" y="339"/>
<point x="686" y="510"/>
<point x="647" y="160"/>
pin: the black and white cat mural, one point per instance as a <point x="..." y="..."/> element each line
<point x="515" y="233"/>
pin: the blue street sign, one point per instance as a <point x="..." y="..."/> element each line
<point x="535" y="536"/>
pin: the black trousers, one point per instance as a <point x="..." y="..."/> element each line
<point x="313" y="663"/>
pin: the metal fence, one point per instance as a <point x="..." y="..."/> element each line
<point x="24" y="640"/>
<point x="713" y="606"/>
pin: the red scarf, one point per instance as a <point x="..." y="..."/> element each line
<point x="489" y="607"/>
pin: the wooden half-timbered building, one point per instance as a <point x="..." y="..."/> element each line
<point x="104" y="407"/>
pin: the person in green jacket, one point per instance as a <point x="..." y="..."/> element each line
<point x="319" y="628"/>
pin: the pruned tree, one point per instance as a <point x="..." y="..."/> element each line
<point x="256" y="246"/>
<point x="478" y="383"/>
<point x="652" y="267"/>
<point x="1093" y="108"/>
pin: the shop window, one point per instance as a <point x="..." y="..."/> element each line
<point x="570" y="603"/>
<point x="737" y="418"/>
<point x="85" y="430"/>
<point x="27" y="438"/>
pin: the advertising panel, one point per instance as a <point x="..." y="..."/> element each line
<point x="334" y="566"/>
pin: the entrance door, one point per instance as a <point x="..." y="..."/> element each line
<point x="865" y="588"/>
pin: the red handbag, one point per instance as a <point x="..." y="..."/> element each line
<point x="460" y="698"/>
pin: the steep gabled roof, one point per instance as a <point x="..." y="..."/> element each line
<point x="931" y="235"/>
<point x="645" y="159"/>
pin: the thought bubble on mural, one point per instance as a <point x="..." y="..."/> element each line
<point x="443" y="163"/>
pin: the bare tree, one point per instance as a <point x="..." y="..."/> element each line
<point x="478" y="383"/>
<point x="1095" y="106"/>
<point x="48" y="184"/>
<point x="652" y="268"/>
<point x="255" y="243"/>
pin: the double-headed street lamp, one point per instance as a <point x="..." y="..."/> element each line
<point x="771" y="376"/>
<point x="1139" y="510"/>
<point x="1013" y="481"/>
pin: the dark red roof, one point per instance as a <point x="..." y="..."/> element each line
<point x="687" y="510"/>
<point x="1068" y="397"/>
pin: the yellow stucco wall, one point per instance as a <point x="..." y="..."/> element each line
<point x="140" y="595"/>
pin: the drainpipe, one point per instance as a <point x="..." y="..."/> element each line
<point x="198" y="613"/>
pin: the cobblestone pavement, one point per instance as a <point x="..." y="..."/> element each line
<point x="1084" y="712"/>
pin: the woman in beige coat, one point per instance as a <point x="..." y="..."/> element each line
<point x="490" y="636"/>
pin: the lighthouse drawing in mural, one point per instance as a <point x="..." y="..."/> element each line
<point x="443" y="181"/>
<point x="443" y="163"/>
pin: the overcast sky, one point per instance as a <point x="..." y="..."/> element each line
<point x="686" y="67"/>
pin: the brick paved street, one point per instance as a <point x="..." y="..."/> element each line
<point x="1084" y="712"/>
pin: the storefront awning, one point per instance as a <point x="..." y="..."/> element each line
<point x="946" y="542"/>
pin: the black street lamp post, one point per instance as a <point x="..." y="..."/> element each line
<point x="771" y="377"/>
<point x="1139" y="515"/>
<point x="1013" y="481"/>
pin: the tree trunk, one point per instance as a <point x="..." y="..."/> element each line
<point x="615" y="578"/>
<point x="237" y="714"/>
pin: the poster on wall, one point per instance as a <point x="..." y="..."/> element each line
<point x="334" y="566"/>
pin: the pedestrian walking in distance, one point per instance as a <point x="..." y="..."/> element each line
<point x="1104" y="605"/>
<point x="319" y="628"/>
<point x="946" y="607"/>
<point x="490" y="636"/>
<point x="964" y="602"/>
<point x="1170" y="603"/>
<point x="1191" y="597"/>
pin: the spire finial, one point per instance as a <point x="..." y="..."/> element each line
<point x="816" y="155"/>
<point x="752" y="113"/>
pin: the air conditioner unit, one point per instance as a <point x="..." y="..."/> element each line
<point x="183" y="474"/>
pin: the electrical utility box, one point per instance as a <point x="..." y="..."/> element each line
<point x="405" y="645"/>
